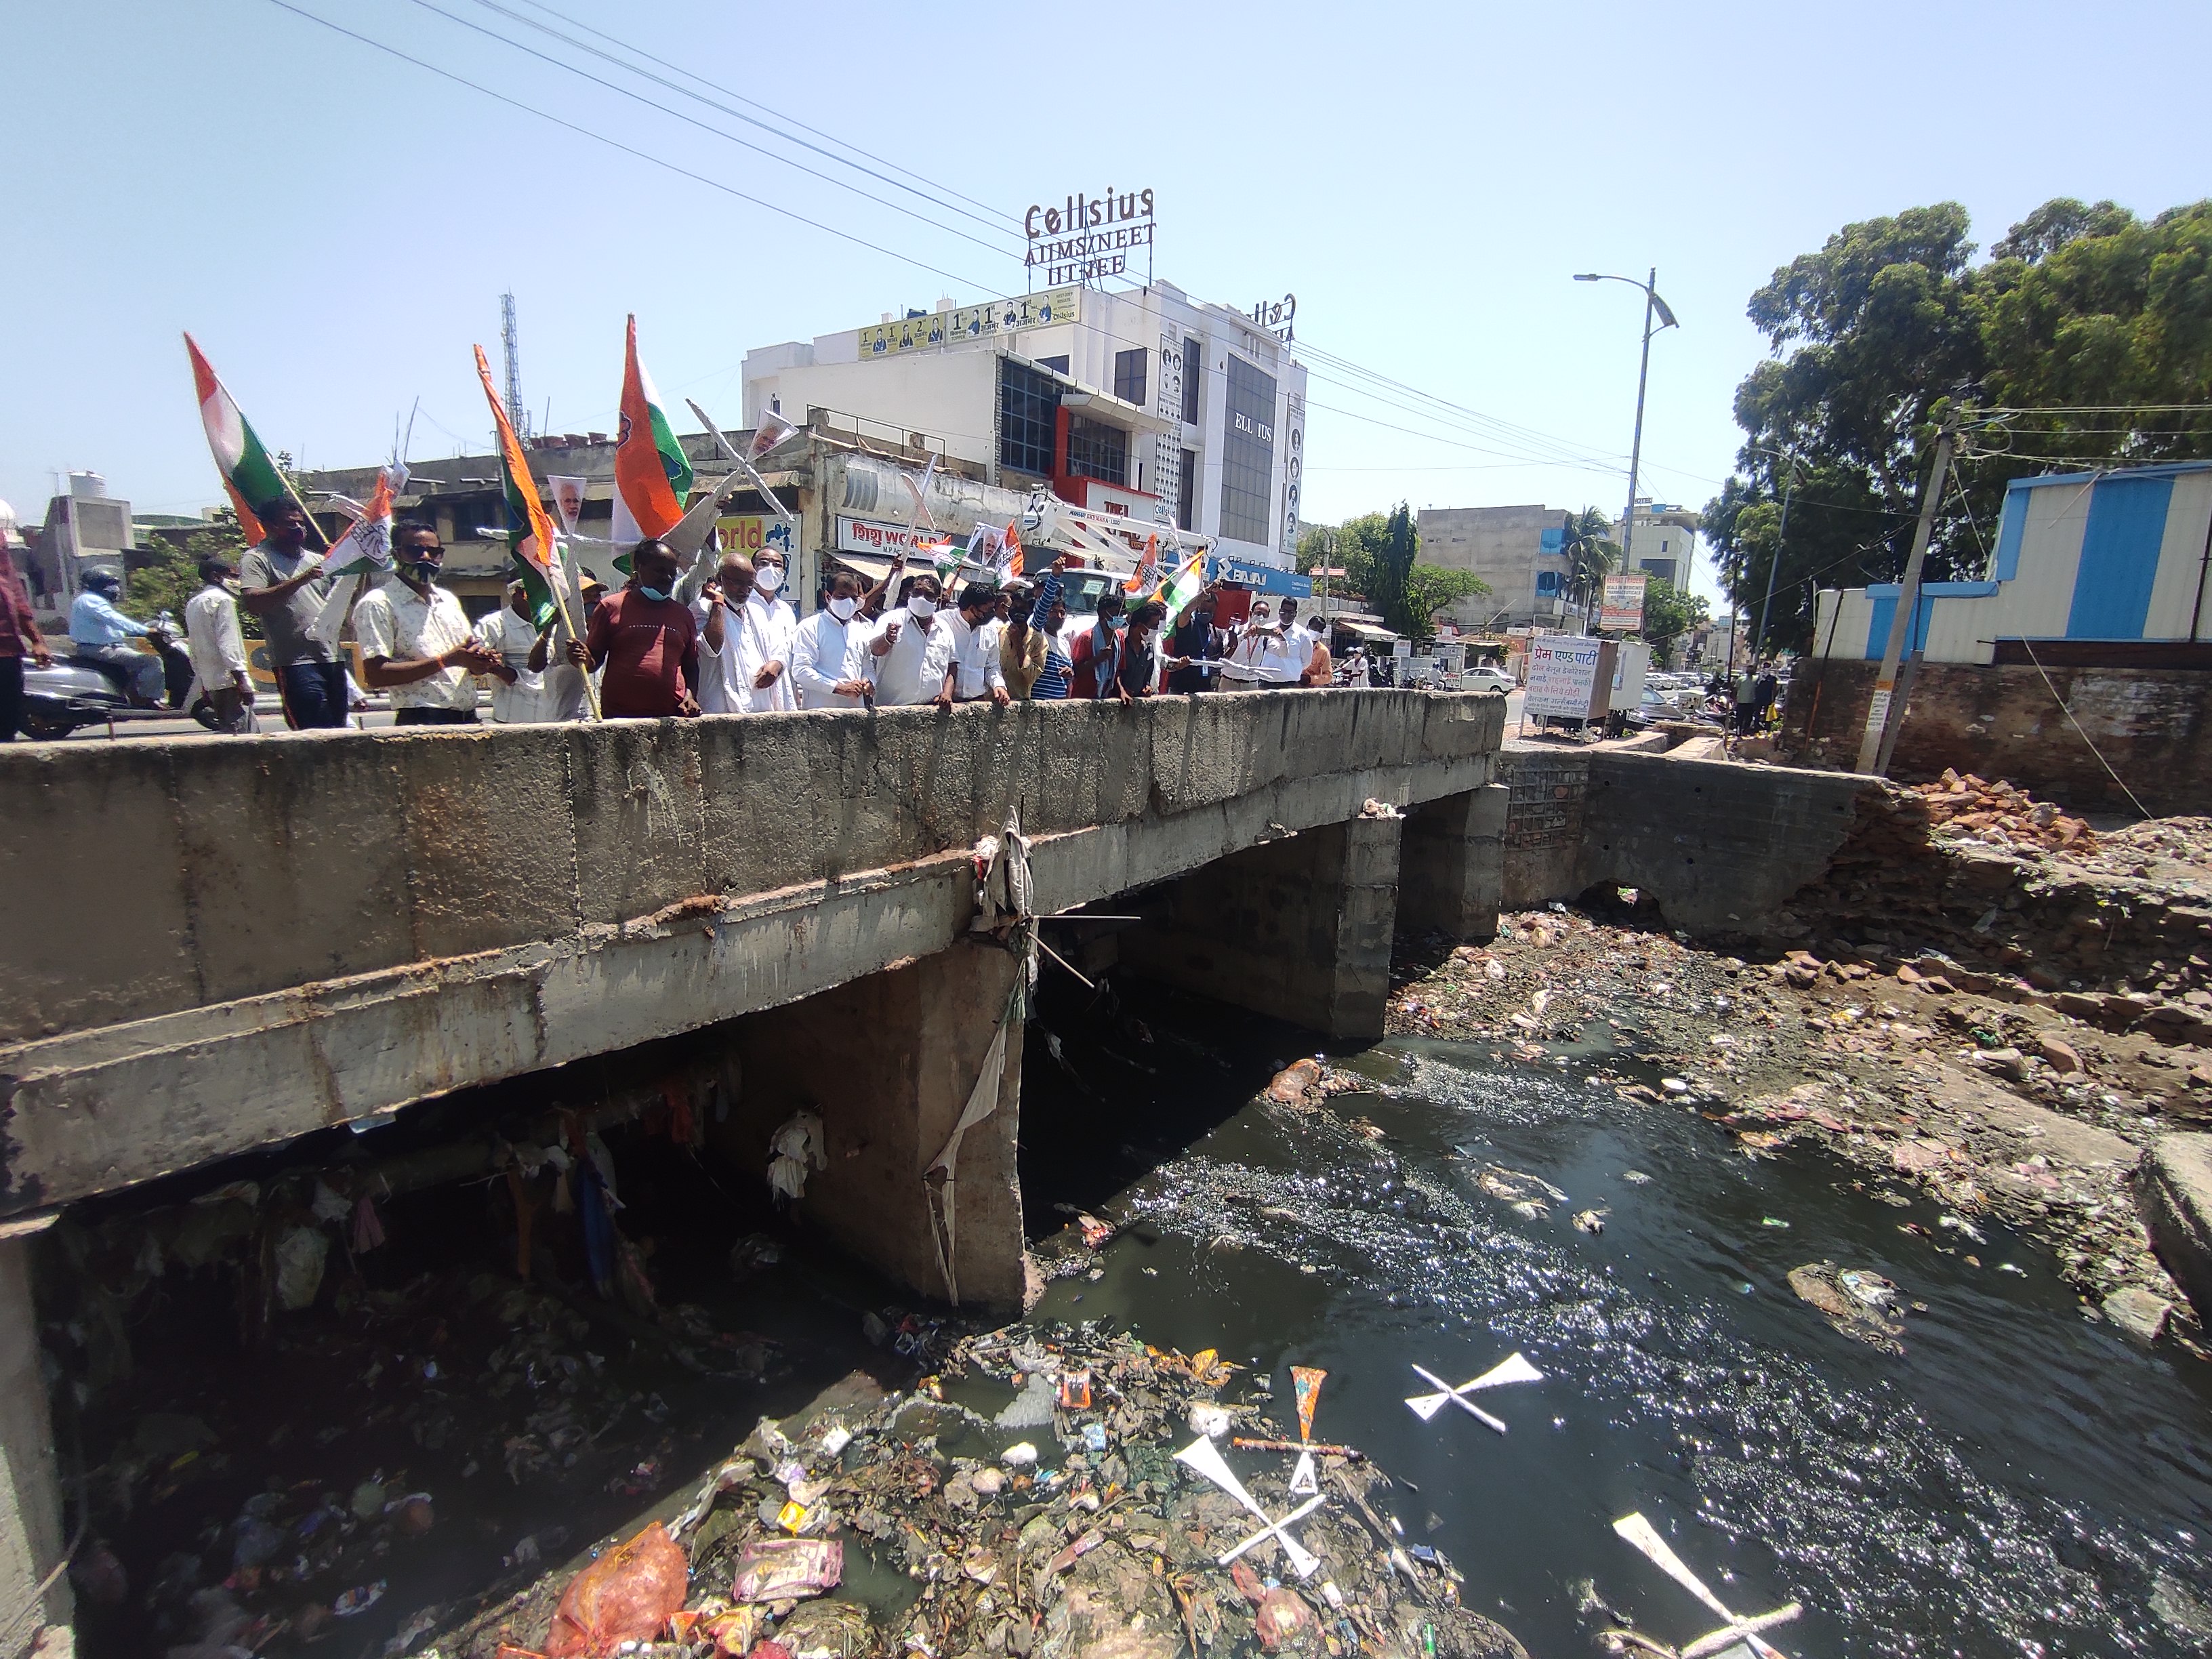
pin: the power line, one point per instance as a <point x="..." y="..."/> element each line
<point x="692" y="120"/>
<point x="616" y="143"/>
<point x="943" y="190"/>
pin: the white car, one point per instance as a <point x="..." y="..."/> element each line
<point x="1487" y="680"/>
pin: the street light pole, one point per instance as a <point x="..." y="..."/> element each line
<point x="1782" y="531"/>
<point x="1653" y="307"/>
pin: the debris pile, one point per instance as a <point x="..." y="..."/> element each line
<point x="1998" y="813"/>
<point x="1040" y="1494"/>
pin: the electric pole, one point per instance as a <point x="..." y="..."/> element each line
<point x="1883" y="713"/>
<point x="1789" y="487"/>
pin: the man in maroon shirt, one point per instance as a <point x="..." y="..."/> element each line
<point x="19" y="635"/>
<point x="648" y="643"/>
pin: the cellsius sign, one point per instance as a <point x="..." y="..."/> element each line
<point x="1088" y="237"/>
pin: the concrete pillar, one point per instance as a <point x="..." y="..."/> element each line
<point x="889" y="1061"/>
<point x="1299" y="929"/>
<point x="30" y="1489"/>
<point x="1451" y="869"/>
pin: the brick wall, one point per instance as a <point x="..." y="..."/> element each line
<point x="1543" y="834"/>
<point x="2000" y="720"/>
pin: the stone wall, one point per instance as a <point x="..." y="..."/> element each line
<point x="1543" y="836"/>
<point x="2001" y="720"/>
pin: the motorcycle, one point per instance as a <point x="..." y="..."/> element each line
<point x="79" y="692"/>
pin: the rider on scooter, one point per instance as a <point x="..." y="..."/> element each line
<point x="98" y="632"/>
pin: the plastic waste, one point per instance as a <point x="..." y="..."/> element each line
<point x="360" y="1599"/>
<point x="626" y="1595"/>
<point x="786" y="1569"/>
<point x="1208" y="1420"/>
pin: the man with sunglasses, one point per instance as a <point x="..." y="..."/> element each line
<point x="415" y="642"/>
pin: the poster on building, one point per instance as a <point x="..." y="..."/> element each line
<point x="1621" y="610"/>
<point x="568" y="495"/>
<point x="1041" y="310"/>
<point x="752" y="534"/>
<point x="877" y="539"/>
<point x="1563" y="676"/>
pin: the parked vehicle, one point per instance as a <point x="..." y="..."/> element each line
<point x="1487" y="678"/>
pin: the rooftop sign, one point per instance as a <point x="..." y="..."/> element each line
<point x="937" y="328"/>
<point x="1087" y="238"/>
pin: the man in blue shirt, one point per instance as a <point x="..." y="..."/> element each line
<point x="99" y="632"/>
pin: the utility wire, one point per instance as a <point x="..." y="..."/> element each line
<point x="943" y="190"/>
<point x="616" y="143"/>
<point x="704" y="126"/>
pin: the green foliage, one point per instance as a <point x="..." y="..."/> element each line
<point x="1669" y="612"/>
<point x="169" y="575"/>
<point x="2080" y="308"/>
<point x="1379" y="554"/>
<point x="1591" y="557"/>
<point x="1430" y="588"/>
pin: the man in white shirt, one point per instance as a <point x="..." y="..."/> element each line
<point x="745" y="648"/>
<point x="776" y="622"/>
<point x="520" y="697"/>
<point x="819" y="646"/>
<point x="1297" y="643"/>
<point x="976" y="670"/>
<point x="218" y="649"/>
<point x="909" y="655"/>
<point x="415" y="639"/>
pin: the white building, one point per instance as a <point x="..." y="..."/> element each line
<point x="1144" y="402"/>
<point x="2091" y="569"/>
<point x="1665" y="543"/>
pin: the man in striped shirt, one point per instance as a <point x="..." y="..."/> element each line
<point x="1049" y="616"/>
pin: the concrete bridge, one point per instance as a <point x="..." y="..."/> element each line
<point x="214" y="947"/>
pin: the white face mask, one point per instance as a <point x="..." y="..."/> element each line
<point x="843" y="609"/>
<point x="921" y="607"/>
<point x="769" y="578"/>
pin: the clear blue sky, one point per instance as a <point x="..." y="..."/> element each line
<point x="336" y="226"/>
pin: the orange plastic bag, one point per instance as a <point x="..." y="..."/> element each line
<point x="628" y="1594"/>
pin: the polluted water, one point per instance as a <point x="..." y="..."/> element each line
<point x="1962" y="1463"/>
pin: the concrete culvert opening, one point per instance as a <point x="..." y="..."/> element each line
<point x="392" y="1377"/>
<point x="1618" y="905"/>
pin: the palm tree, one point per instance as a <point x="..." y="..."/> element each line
<point x="1592" y="557"/>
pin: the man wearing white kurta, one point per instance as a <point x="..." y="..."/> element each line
<point x="909" y="655"/>
<point x="519" y="694"/>
<point x="819" y="647"/>
<point x="743" y="652"/>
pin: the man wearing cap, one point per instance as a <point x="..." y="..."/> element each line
<point x="415" y="639"/>
<point x="218" y="649"/>
<point x="100" y="633"/>
<point x="282" y="584"/>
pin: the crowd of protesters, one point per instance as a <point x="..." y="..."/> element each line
<point x="643" y="651"/>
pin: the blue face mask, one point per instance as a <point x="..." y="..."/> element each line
<point x="655" y="595"/>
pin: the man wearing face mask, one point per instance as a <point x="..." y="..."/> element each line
<point x="738" y="674"/>
<point x="217" y="648"/>
<point x="909" y="656"/>
<point x="777" y="623"/>
<point x="976" y="670"/>
<point x="819" y="646"/>
<point x="645" y="640"/>
<point x="415" y="638"/>
<point x="1095" y="651"/>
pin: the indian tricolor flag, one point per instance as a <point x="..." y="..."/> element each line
<point x="652" y="475"/>
<point x="247" y="473"/>
<point x="529" y="527"/>
<point x="1185" y="586"/>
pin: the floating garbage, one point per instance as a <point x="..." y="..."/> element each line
<point x="1856" y="1302"/>
<point x="1588" y="1221"/>
<point x="1513" y="1369"/>
<point x="1019" y="1455"/>
<point x="360" y="1599"/>
<point x="1209" y="1420"/>
<point x="1203" y="1455"/>
<point x="1641" y="1534"/>
<point x="1305" y="1388"/>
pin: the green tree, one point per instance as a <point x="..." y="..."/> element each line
<point x="170" y="575"/>
<point x="1592" y="557"/>
<point x="2081" y="312"/>
<point x="1353" y="546"/>
<point x="1669" y="612"/>
<point x="1430" y="588"/>
<point x="1379" y="554"/>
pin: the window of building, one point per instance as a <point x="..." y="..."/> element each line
<point x="1548" y="581"/>
<point x="1193" y="368"/>
<point x="1028" y="404"/>
<point x="1057" y="365"/>
<point x="1096" y="450"/>
<point x="1248" y="451"/>
<point x="1187" y="493"/>
<point x="1129" y="375"/>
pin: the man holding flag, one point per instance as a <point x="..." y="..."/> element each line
<point x="282" y="584"/>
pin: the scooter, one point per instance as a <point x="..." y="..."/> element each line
<point x="78" y="691"/>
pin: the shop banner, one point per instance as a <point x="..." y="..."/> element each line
<point x="1621" y="610"/>
<point x="1563" y="676"/>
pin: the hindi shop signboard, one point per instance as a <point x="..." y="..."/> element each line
<point x="877" y="539"/>
<point x="1563" y="677"/>
<point x="1622" y="610"/>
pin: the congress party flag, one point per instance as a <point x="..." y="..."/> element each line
<point x="1147" y="572"/>
<point x="248" y="474"/>
<point x="530" y="529"/>
<point x="652" y="477"/>
<point x="1010" y="559"/>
